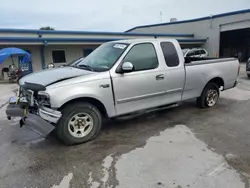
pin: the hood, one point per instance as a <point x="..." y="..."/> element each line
<point x="50" y="76"/>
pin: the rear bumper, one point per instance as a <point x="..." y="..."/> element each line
<point x="39" y="123"/>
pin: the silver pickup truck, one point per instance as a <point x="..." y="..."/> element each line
<point x="118" y="78"/>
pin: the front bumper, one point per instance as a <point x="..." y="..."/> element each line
<point x="40" y="123"/>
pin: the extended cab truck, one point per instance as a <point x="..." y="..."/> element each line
<point x="118" y="78"/>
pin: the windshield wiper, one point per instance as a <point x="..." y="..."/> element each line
<point x="85" y="66"/>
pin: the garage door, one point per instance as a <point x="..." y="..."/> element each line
<point x="235" y="26"/>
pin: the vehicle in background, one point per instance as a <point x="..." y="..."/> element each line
<point x="72" y="63"/>
<point x="195" y="52"/>
<point x="117" y="79"/>
<point x="248" y="67"/>
<point x="15" y="71"/>
<point x="75" y="62"/>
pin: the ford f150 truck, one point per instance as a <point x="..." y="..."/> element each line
<point x="118" y="78"/>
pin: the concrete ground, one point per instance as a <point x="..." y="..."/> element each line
<point x="176" y="148"/>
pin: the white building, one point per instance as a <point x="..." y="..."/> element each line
<point x="65" y="46"/>
<point x="227" y="34"/>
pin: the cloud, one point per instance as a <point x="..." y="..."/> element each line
<point x="108" y="15"/>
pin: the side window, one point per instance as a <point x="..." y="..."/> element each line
<point x="197" y="52"/>
<point x="58" y="56"/>
<point x="170" y="54"/>
<point x="142" y="56"/>
<point x="86" y="52"/>
<point x="189" y="54"/>
<point x="203" y="52"/>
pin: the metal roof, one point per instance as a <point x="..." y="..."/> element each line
<point x="194" y="20"/>
<point x="62" y="32"/>
<point x="47" y="41"/>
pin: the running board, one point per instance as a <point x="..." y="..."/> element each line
<point x="163" y="107"/>
<point x="134" y="114"/>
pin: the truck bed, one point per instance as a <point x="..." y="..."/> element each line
<point x="194" y="59"/>
<point x="200" y="71"/>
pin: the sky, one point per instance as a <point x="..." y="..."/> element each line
<point x="107" y="15"/>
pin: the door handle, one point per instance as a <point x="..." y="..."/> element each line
<point x="159" y="77"/>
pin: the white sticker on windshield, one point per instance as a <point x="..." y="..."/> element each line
<point x="121" y="46"/>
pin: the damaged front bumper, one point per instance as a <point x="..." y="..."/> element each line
<point x="40" y="122"/>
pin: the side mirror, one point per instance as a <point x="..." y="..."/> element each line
<point x="127" y="67"/>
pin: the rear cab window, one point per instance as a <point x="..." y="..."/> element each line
<point x="170" y="54"/>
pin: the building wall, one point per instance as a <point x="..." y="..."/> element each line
<point x="209" y="29"/>
<point x="72" y="52"/>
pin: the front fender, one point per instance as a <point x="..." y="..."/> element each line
<point x="93" y="89"/>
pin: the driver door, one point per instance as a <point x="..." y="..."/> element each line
<point x="142" y="87"/>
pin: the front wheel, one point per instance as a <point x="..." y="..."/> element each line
<point x="209" y="96"/>
<point x="80" y="122"/>
<point x="248" y="75"/>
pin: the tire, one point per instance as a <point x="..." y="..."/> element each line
<point x="70" y="131"/>
<point x="205" y="100"/>
<point x="248" y="75"/>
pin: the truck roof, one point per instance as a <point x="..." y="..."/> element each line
<point x="130" y="41"/>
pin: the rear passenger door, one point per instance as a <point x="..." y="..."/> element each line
<point x="174" y="73"/>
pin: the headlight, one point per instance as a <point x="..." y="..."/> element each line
<point x="43" y="98"/>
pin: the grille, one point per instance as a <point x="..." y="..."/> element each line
<point x="29" y="95"/>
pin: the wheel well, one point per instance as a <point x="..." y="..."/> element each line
<point x="219" y="81"/>
<point x="93" y="101"/>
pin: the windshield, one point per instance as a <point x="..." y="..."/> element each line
<point x="75" y="62"/>
<point x="103" y="58"/>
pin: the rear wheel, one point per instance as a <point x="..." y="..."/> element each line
<point x="209" y="96"/>
<point x="80" y="122"/>
<point x="248" y="75"/>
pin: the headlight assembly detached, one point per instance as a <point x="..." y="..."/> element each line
<point x="43" y="98"/>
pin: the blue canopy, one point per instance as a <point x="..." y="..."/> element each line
<point x="13" y="52"/>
